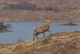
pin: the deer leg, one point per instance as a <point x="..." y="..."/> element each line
<point x="34" y="36"/>
<point x="37" y="35"/>
<point x="50" y="32"/>
<point x="44" y="35"/>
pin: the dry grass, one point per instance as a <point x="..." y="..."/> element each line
<point x="23" y="15"/>
<point x="60" y="43"/>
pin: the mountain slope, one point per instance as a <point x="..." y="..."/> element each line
<point x="63" y="4"/>
<point x="62" y="10"/>
<point x="60" y="43"/>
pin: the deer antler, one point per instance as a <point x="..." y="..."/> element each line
<point x="48" y="17"/>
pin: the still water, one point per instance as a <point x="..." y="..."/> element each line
<point x="24" y="30"/>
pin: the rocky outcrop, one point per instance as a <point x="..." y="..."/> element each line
<point x="4" y="28"/>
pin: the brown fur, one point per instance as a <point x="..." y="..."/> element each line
<point x="41" y="29"/>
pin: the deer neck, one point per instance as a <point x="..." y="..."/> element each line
<point x="48" y="22"/>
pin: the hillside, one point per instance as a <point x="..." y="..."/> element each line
<point x="59" y="43"/>
<point x="24" y="10"/>
<point x="60" y="4"/>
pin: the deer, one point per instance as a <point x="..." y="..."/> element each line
<point x="42" y="29"/>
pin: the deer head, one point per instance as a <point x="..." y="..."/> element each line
<point x="48" y="18"/>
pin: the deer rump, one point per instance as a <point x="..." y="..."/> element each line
<point x="41" y="29"/>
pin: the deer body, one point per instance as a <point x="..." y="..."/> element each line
<point x="42" y="29"/>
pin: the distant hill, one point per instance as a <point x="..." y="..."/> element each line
<point x="61" y="9"/>
<point x="61" y="4"/>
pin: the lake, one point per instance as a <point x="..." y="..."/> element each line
<point x="24" y="30"/>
